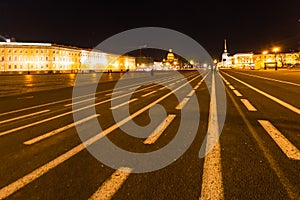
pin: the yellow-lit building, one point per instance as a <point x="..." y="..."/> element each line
<point x="21" y="57"/>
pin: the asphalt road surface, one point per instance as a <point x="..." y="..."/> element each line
<point x="62" y="141"/>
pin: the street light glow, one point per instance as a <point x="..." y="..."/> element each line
<point x="265" y="52"/>
<point x="276" y="49"/>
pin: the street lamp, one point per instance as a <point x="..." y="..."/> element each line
<point x="265" y="57"/>
<point x="275" y="50"/>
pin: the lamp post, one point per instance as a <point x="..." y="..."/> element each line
<point x="265" y="53"/>
<point x="275" y="50"/>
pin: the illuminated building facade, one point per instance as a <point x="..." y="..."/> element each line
<point x="52" y="58"/>
<point x="259" y="61"/>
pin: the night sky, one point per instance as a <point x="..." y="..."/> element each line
<point x="248" y="25"/>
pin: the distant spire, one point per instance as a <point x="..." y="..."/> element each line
<point x="225" y="46"/>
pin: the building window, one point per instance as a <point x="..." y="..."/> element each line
<point x="9" y="58"/>
<point x="15" y="51"/>
<point x="9" y="50"/>
<point x="37" y="51"/>
<point x="16" y="67"/>
<point x="16" y="58"/>
<point x="2" y="58"/>
<point x="9" y="66"/>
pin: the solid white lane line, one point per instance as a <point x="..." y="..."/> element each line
<point x="78" y="102"/>
<point x="20" y="183"/>
<point x="248" y="105"/>
<point x="59" y="130"/>
<point x="270" y="79"/>
<point x="123" y="104"/>
<point x="144" y="95"/>
<point x="231" y="87"/>
<point x="285" y="145"/>
<point x="191" y="93"/>
<point x="237" y="93"/>
<point x="212" y="183"/>
<point x="182" y="103"/>
<point x="112" y="185"/>
<point x="23" y="116"/>
<point x="288" y="106"/>
<point x="159" y="130"/>
<point x="25" y="180"/>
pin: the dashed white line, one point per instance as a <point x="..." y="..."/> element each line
<point x="237" y="93"/>
<point x="288" y="106"/>
<point x="23" y="116"/>
<point x="231" y="87"/>
<point x="78" y="102"/>
<point x="191" y="93"/>
<point x="112" y="185"/>
<point x="25" y="180"/>
<point x="149" y="93"/>
<point x="123" y="104"/>
<point x="59" y="130"/>
<point x="248" y="105"/>
<point x="159" y="130"/>
<point x="182" y="103"/>
<point x="285" y="145"/>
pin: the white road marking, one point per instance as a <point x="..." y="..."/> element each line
<point x="248" y="105"/>
<point x="59" y="130"/>
<point x="200" y="82"/>
<point x="61" y="115"/>
<point x="285" y="145"/>
<point x="271" y="79"/>
<point x="182" y="103"/>
<point x="27" y="97"/>
<point x="212" y="184"/>
<point x="123" y="104"/>
<point x="159" y="130"/>
<point x="65" y="100"/>
<point x="116" y="92"/>
<point x="23" y="116"/>
<point x="288" y="106"/>
<point x="237" y="93"/>
<point x="20" y="183"/>
<point x="231" y="87"/>
<point x="191" y="93"/>
<point x="149" y="93"/>
<point x="78" y="102"/>
<point x="112" y="185"/>
<point x="25" y="180"/>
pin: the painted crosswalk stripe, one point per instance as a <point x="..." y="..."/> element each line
<point x="112" y="185"/>
<point x="285" y="145"/>
<point x="23" y="116"/>
<point x="237" y="93"/>
<point x="59" y="130"/>
<point x="144" y="95"/>
<point x="248" y="105"/>
<point x="159" y="130"/>
<point x="123" y="104"/>
<point x="182" y="103"/>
